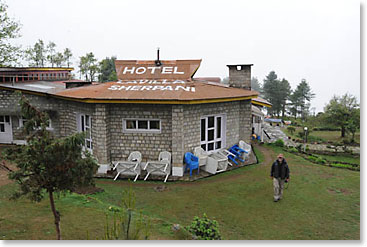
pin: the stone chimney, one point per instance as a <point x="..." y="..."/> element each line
<point x="240" y="76"/>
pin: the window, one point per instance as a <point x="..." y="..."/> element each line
<point x="85" y="125"/>
<point x="212" y="131"/>
<point x="141" y="125"/>
<point x="22" y="122"/>
<point x="4" y="120"/>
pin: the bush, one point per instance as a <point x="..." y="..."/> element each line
<point x="205" y="228"/>
<point x="320" y="161"/>
<point x="315" y="139"/>
<point x="293" y="150"/>
<point x="342" y="165"/>
<point x="291" y="129"/>
<point x="313" y="158"/>
<point x="279" y="143"/>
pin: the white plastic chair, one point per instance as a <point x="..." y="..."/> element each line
<point x="225" y="153"/>
<point x="246" y="147"/>
<point x="160" y="167"/>
<point x="129" y="167"/>
<point x="202" y="155"/>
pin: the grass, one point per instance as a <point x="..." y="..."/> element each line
<point x="320" y="203"/>
<point x="259" y="155"/>
<point x="323" y="136"/>
<point x="340" y="158"/>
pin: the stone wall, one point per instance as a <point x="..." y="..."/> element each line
<point x="121" y="144"/>
<point x="187" y="134"/>
<point x="63" y="113"/>
<point x="240" y="76"/>
<point x="180" y="125"/>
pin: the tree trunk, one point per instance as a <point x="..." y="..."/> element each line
<point x="343" y="131"/>
<point x="56" y="215"/>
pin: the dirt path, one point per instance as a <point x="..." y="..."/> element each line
<point x="269" y="156"/>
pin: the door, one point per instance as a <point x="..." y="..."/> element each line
<point x="212" y="132"/>
<point x="6" y="134"/>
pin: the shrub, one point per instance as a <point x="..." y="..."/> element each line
<point x="293" y="150"/>
<point x="313" y="158"/>
<point x="342" y="165"/>
<point x="205" y="228"/>
<point x="320" y="161"/>
<point x="279" y="143"/>
<point x="291" y="129"/>
<point x="315" y="139"/>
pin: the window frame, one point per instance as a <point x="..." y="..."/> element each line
<point x="137" y="130"/>
<point x="222" y="138"/>
<point x="86" y="128"/>
<point x="23" y="120"/>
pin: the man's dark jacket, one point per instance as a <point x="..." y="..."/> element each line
<point x="280" y="170"/>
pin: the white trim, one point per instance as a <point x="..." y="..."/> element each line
<point x="137" y="130"/>
<point x="8" y="130"/>
<point x="80" y="128"/>
<point x="21" y="119"/>
<point x="222" y="137"/>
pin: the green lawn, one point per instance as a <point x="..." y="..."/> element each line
<point x="323" y="136"/>
<point x="320" y="203"/>
<point x="340" y="158"/>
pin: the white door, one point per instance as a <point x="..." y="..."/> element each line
<point x="6" y="134"/>
<point x="213" y="132"/>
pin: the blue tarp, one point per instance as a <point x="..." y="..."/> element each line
<point x="273" y="120"/>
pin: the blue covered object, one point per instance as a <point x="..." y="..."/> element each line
<point x="192" y="162"/>
<point x="236" y="153"/>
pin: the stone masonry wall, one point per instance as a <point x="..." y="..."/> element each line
<point x="63" y="113"/>
<point x="245" y="121"/>
<point x="179" y="124"/>
<point x="238" y="125"/>
<point x="240" y="78"/>
<point x="150" y="145"/>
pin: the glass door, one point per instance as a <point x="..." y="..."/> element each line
<point x="212" y="132"/>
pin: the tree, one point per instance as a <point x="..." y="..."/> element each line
<point x="300" y="99"/>
<point x="353" y="124"/>
<point x="107" y="70"/>
<point x="59" y="59"/>
<point x="67" y="56"/>
<point x="277" y="93"/>
<point x="225" y="80"/>
<point x="9" y="29"/>
<point x="49" y="164"/>
<point x="36" y="55"/>
<point x="51" y="53"/>
<point x="255" y="85"/>
<point x="284" y="92"/>
<point x="88" y="66"/>
<point x="342" y="112"/>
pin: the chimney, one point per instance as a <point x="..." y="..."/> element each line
<point x="158" y="62"/>
<point x="240" y="76"/>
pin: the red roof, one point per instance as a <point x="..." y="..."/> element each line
<point x="157" y="90"/>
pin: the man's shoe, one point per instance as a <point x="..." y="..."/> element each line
<point x="275" y="200"/>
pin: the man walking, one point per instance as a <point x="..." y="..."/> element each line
<point x="279" y="173"/>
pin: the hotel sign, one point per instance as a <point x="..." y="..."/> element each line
<point x="172" y="69"/>
<point x="152" y="85"/>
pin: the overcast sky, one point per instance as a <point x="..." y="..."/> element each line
<point x="315" y="40"/>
